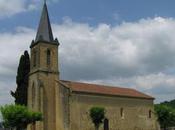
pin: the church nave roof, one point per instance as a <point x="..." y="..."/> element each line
<point x="104" y="90"/>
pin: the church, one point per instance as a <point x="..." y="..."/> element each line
<point x="65" y="104"/>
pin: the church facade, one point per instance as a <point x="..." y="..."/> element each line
<point x="65" y="104"/>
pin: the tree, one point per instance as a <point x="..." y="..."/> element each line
<point x="97" y="115"/>
<point x="22" y="78"/>
<point x="18" y="116"/>
<point x="166" y="115"/>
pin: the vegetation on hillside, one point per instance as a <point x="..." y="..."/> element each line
<point x="170" y="103"/>
<point x="20" y="94"/>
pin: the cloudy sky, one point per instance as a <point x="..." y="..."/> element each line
<point x="115" y="42"/>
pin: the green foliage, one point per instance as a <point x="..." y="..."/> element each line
<point x="20" y="94"/>
<point x="169" y="103"/>
<point x="17" y="116"/>
<point x="166" y="115"/>
<point x="97" y="115"/>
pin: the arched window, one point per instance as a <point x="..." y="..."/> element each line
<point x="33" y="95"/>
<point x="41" y="99"/>
<point x="106" y="124"/>
<point x="150" y="113"/>
<point x="121" y="112"/>
<point x="48" y="57"/>
<point x="34" y="58"/>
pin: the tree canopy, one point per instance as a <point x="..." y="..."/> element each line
<point x="20" y="94"/>
<point x="166" y="115"/>
<point x="18" y="116"/>
<point x="97" y="115"/>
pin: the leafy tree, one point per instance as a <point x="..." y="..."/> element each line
<point x="166" y="115"/>
<point x="97" y="115"/>
<point x="18" y="116"/>
<point x="20" y="94"/>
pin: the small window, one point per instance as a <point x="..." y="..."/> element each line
<point x="122" y="113"/>
<point x="34" y="58"/>
<point x="48" y="57"/>
<point x="150" y="113"/>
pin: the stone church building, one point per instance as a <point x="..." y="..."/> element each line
<point x="65" y="104"/>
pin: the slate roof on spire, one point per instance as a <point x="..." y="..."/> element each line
<point x="44" y="32"/>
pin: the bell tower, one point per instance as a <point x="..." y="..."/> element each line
<point x="44" y="71"/>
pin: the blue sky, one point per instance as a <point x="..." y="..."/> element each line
<point x="115" y="42"/>
<point x="92" y="12"/>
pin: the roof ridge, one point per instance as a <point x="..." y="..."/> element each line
<point x="99" y="84"/>
<point x="102" y="89"/>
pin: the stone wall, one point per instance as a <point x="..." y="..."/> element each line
<point x="135" y="112"/>
<point x="64" y="105"/>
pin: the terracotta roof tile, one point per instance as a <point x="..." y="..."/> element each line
<point x="102" y="89"/>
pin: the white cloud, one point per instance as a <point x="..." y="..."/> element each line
<point x="138" y="55"/>
<point x="12" y="46"/>
<point x="130" y="48"/>
<point x="116" y="16"/>
<point x="11" y="7"/>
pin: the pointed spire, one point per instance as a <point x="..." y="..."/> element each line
<point x="44" y="32"/>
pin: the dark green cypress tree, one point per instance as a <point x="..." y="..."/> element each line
<point x="22" y="78"/>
